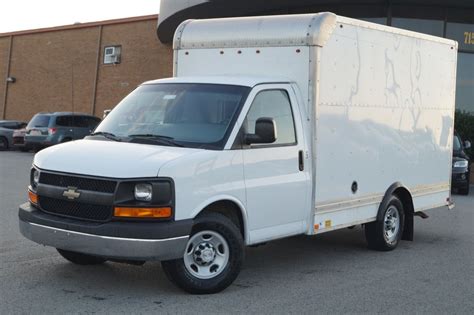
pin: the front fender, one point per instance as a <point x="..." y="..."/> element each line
<point x="196" y="211"/>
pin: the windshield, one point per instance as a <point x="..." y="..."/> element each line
<point x="195" y="115"/>
<point x="39" y="121"/>
<point x="456" y="143"/>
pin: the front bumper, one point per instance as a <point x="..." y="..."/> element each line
<point x="38" y="141"/>
<point x="119" y="240"/>
<point x="460" y="180"/>
<point x="19" y="142"/>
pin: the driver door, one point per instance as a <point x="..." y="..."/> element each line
<point x="277" y="182"/>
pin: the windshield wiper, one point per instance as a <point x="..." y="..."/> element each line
<point x="107" y="135"/>
<point x="155" y="138"/>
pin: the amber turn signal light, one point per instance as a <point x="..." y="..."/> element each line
<point x="164" y="212"/>
<point x="32" y="197"/>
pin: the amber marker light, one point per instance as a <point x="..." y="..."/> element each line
<point x="125" y="212"/>
<point x="32" y="197"/>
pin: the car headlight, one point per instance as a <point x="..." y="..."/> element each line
<point x="461" y="163"/>
<point x="143" y="192"/>
<point x="35" y="178"/>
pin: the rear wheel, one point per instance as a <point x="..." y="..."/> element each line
<point x="385" y="234"/>
<point x="3" y="144"/>
<point x="81" y="259"/>
<point x="212" y="259"/>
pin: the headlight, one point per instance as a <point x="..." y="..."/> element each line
<point x="35" y="178"/>
<point x="143" y="192"/>
<point x="461" y="163"/>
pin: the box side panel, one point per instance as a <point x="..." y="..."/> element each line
<point x="385" y="115"/>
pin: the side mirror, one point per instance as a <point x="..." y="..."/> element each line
<point x="265" y="131"/>
<point x="467" y="144"/>
<point x="106" y="112"/>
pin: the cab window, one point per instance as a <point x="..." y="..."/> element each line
<point x="274" y="104"/>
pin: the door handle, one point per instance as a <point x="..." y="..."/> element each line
<point x="300" y="160"/>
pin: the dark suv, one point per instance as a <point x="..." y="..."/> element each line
<point x="46" y="129"/>
<point x="461" y="166"/>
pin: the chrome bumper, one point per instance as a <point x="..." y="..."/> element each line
<point x="106" y="246"/>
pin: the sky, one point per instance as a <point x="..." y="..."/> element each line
<point x="18" y="15"/>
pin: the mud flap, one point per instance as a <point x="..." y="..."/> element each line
<point x="408" y="227"/>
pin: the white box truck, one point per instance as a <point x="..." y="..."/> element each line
<point x="271" y="127"/>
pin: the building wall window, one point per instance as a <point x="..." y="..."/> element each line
<point x="465" y="82"/>
<point x="463" y="34"/>
<point x="431" y="27"/>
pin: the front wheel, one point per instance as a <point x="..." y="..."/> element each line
<point x="385" y="234"/>
<point x="212" y="259"/>
<point x="80" y="259"/>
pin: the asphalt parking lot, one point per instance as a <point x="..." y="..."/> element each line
<point x="329" y="273"/>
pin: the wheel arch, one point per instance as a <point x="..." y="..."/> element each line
<point x="403" y="193"/>
<point x="6" y="141"/>
<point x="231" y="208"/>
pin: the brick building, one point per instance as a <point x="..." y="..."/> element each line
<point x="85" y="67"/>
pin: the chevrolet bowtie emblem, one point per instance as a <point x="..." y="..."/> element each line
<point x="71" y="193"/>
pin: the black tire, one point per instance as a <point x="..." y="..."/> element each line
<point x="3" y="144"/>
<point x="177" y="271"/>
<point x="379" y="234"/>
<point x="167" y="273"/>
<point x="464" y="191"/>
<point x="65" y="140"/>
<point x="81" y="259"/>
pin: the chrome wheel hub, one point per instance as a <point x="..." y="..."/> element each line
<point x="391" y="224"/>
<point x="207" y="254"/>
<point x="204" y="254"/>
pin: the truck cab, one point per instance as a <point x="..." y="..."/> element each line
<point x="191" y="144"/>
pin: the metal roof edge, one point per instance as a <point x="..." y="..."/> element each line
<point x="395" y="30"/>
<point x="312" y="29"/>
